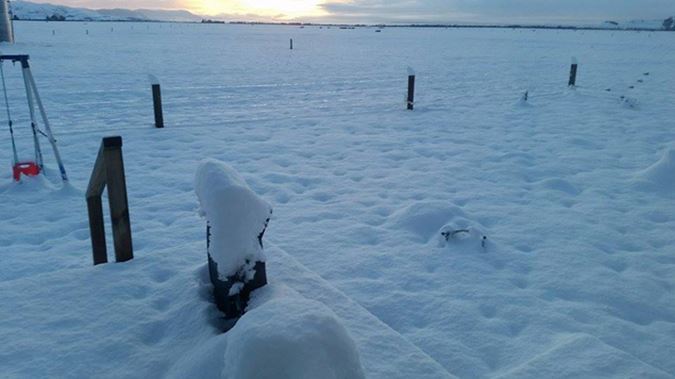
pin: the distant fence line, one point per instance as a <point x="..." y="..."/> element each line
<point x="237" y="101"/>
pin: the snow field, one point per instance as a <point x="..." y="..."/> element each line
<point x="573" y="192"/>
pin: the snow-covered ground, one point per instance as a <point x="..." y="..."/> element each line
<point x="573" y="189"/>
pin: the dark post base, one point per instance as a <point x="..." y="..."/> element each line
<point x="234" y="306"/>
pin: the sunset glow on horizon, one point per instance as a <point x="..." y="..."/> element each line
<point x="280" y="9"/>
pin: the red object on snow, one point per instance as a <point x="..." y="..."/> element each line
<point x="26" y="168"/>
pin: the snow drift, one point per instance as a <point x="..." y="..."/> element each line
<point x="291" y="337"/>
<point x="659" y="177"/>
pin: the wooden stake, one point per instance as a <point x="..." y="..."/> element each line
<point x="157" y="102"/>
<point x="411" y="92"/>
<point x="573" y="73"/>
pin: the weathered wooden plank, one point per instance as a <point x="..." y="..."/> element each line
<point x="97" y="179"/>
<point x="109" y="171"/>
<point x="117" y="197"/>
<point x="97" y="230"/>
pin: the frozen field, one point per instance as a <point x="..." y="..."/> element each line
<point x="574" y="190"/>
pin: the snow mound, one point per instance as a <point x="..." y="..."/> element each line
<point x="291" y="337"/>
<point x="424" y="219"/>
<point x="236" y="214"/>
<point x="659" y="177"/>
<point x="462" y="232"/>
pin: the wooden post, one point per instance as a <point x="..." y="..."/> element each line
<point x="95" y="210"/>
<point x="291" y="43"/>
<point x="117" y="199"/>
<point x="411" y="92"/>
<point x="96" y="230"/>
<point x="157" y="102"/>
<point x="573" y="73"/>
<point x="109" y="172"/>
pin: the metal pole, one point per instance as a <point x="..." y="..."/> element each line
<point x="48" y="129"/>
<point x="31" y="108"/>
<point x="9" y="115"/>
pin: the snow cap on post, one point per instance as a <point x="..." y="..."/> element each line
<point x="153" y="79"/>
<point x="236" y="214"/>
<point x="574" y="60"/>
<point x="411" y="72"/>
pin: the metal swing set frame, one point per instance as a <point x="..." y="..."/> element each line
<point x="30" y="168"/>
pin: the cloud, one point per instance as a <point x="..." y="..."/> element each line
<point x="497" y="10"/>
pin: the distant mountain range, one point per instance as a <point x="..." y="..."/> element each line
<point x="25" y="10"/>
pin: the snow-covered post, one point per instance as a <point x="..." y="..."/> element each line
<point x="157" y="101"/>
<point x="291" y="43"/>
<point x="573" y="73"/>
<point x="411" y="89"/>
<point x="236" y="222"/>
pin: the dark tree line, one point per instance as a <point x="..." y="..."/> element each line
<point x="668" y="24"/>
<point x="55" y="17"/>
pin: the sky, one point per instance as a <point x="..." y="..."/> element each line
<point x="406" y="11"/>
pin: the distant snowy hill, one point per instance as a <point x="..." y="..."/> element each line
<point x="25" y="10"/>
<point x="32" y="11"/>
